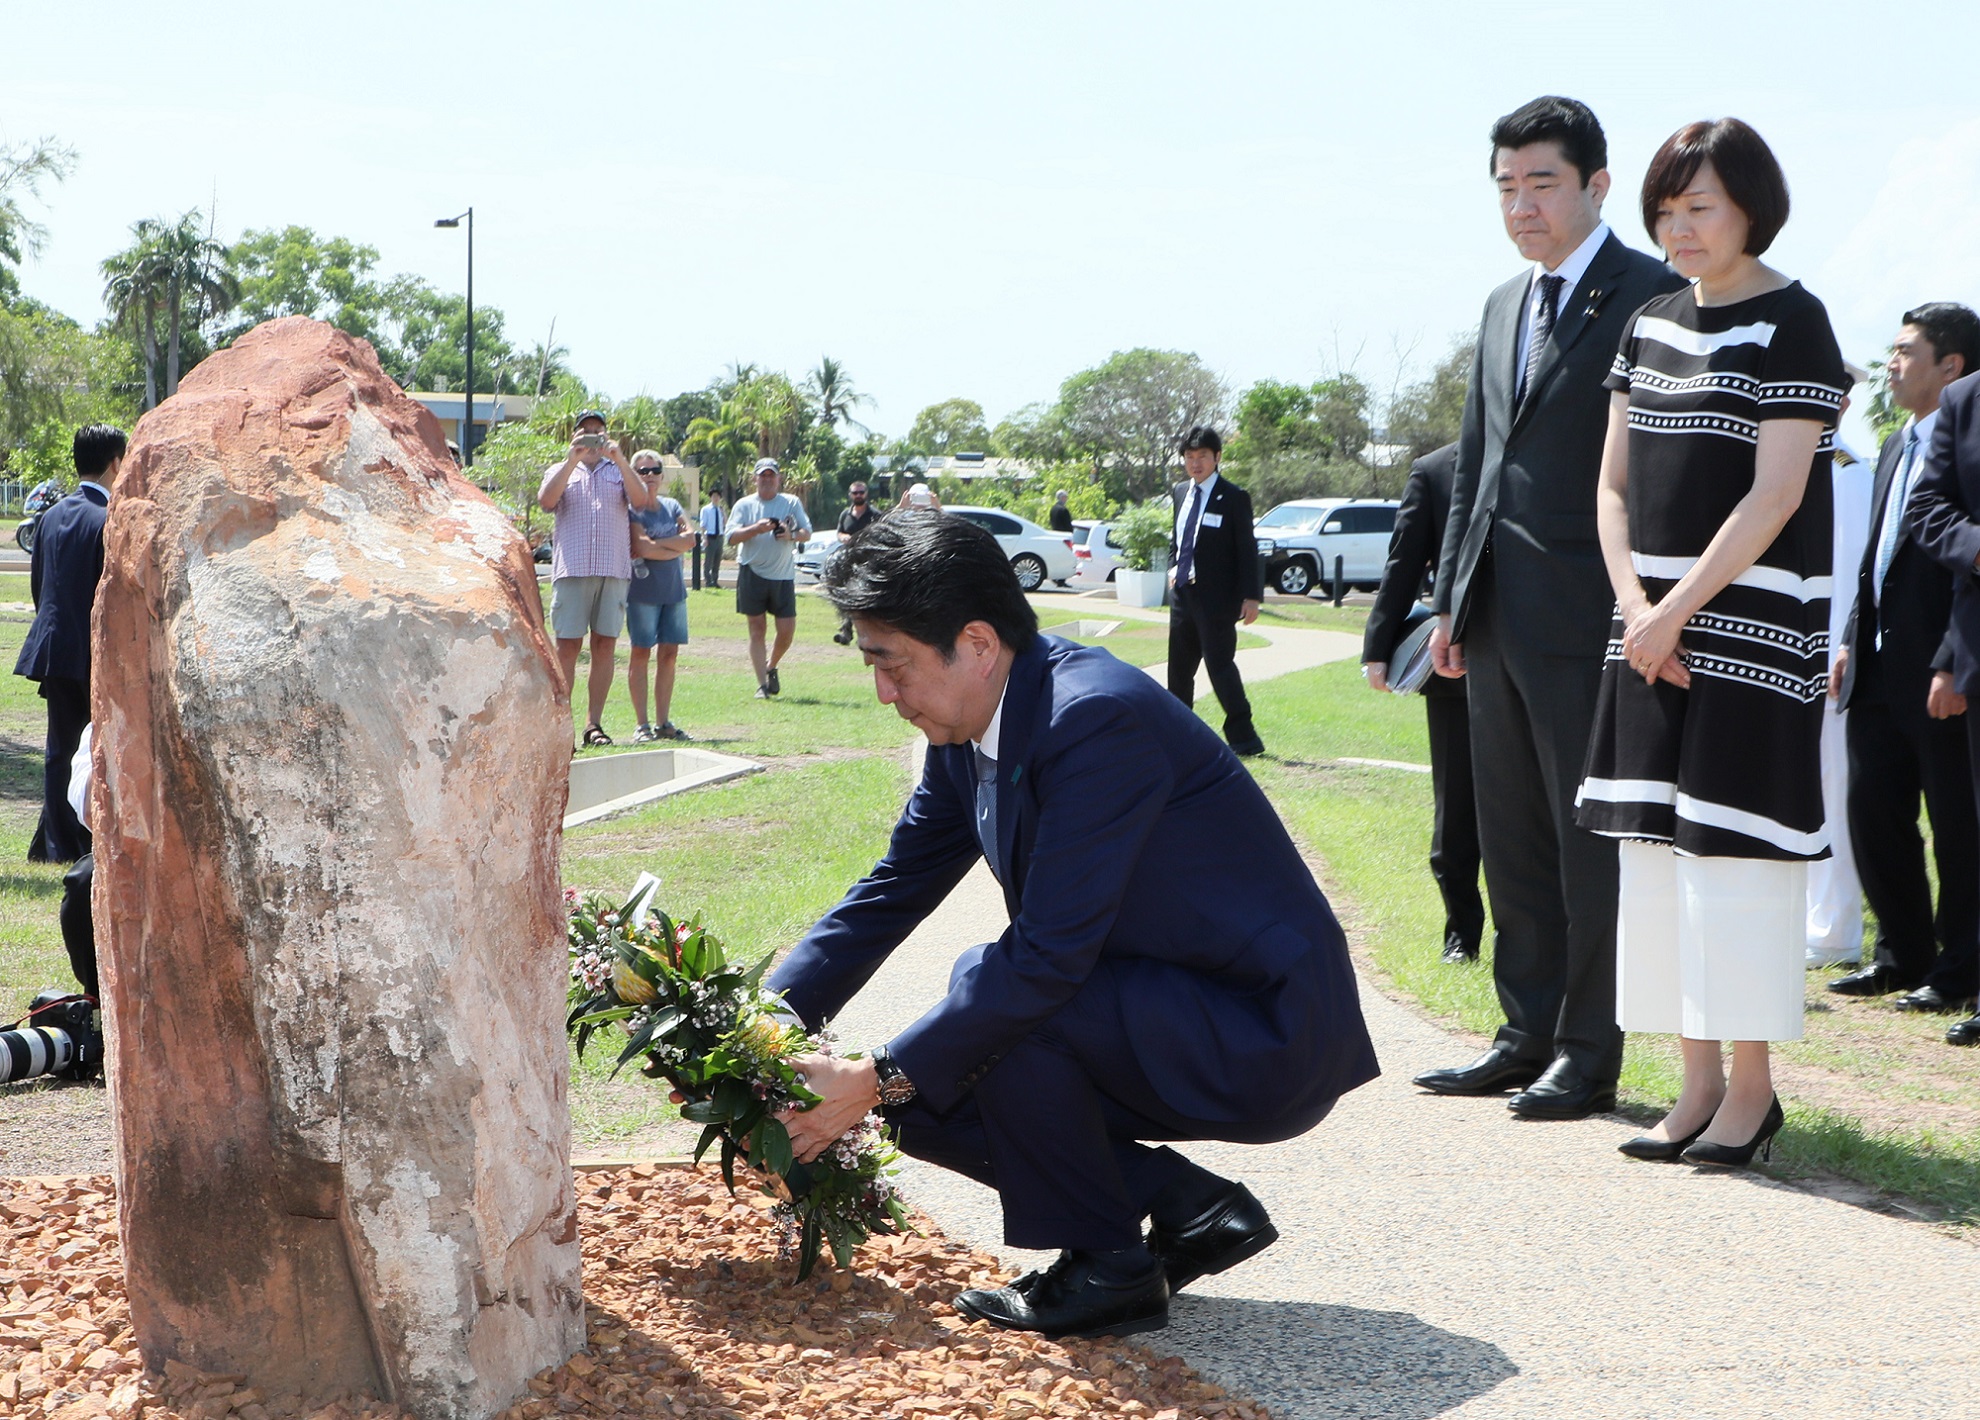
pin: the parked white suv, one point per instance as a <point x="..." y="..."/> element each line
<point x="1300" y="540"/>
<point x="1096" y="551"/>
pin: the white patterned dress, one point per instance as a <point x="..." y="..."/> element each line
<point x="1730" y="768"/>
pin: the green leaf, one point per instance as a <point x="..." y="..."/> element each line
<point x="729" y="1162"/>
<point x="708" y="1136"/>
<point x="773" y="1144"/>
<point x="843" y="1241"/>
<point x="704" y="1112"/>
<point x="808" y="1245"/>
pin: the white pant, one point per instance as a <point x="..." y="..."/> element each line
<point x="1709" y="948"/>
<point x="1835" y="895"/>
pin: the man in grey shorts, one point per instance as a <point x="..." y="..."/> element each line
<point x="766" y="529"/>
<point x="591" y="558"/>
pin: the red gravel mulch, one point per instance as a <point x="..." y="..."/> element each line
<point x="689" y="1309"/>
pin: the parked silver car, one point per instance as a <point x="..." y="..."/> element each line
<point x="1301" y="540"/>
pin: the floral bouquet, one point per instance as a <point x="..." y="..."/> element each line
<point x="708" y="1028"/>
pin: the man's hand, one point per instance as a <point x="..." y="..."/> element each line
<point x="847" y="1090"/>
<point x="1837" y="669"/>
<point x="1942" y="702"/>
<point x="1446" y="655"/>
<point x="1250" y="612"/>
<point x="1376" y="673"/>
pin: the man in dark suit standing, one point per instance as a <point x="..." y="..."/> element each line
<point x="1414" y="548"/>
<point x="1524" y="605"/>
<point x="1944" y="517"/>
<point x="67" y="564"/>
<point x="1170" y="971"/>
<point x="1907" y="726"/>
<point x="1215" y="582"/>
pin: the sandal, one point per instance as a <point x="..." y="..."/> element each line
<point x="645" y="735"/>
<point x="594" y="735"/>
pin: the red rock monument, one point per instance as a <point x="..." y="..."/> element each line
<point x="331" y="755"/>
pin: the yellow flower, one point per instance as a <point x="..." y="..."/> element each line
<point x="763" y="1038"/>
<point x="632" y="988"/>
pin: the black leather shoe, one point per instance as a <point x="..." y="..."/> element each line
<point x="1660" y="1151"/>
<point x="1739" y="1156"/>
<point x="1457" y="954"/>
<point x="1874" y="980"/>
<point x="1930" y="998"/>
<point x="1234" y="1228"/>
<point x="1563" y="1093"/>
<point x="1068" y="1299"/>
<point x="1492" y="1073"/>
<point x="1964" y="1033"/>
<point x="1248" y="749"/>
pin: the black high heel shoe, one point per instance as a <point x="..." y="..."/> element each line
<point x="1660" y="1151"/>
<point x="1738" y="1156"/>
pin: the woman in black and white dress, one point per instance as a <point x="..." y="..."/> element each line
<point x="1714" y="511"/>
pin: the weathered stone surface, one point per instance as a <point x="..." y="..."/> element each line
<point x="331" y="757"/>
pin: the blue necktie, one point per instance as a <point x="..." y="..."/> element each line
<point x="1543" y="327"/>
<point x="1893" y="529"/>
<point x="986" y="811"/>
<point x="1186" y="544"/>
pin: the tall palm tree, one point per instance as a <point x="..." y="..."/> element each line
<point x="832" y="388"/>
<point x="723" y="444"/>
<point x="199" y="285"/>
<point x="134" y="290"/>
<point x="641" y="423"/>
<point x="773" y="405"/>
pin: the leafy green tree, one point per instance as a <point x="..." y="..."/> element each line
<point x="1426" y="415"/>
<point x="199" y="284"/>
<point x="1035" y="433"/>
<point x="134" y="293"/>
<point x="24" y="167"/>
<point x="509" y="464"/>
<point x="1129" y="413"/>
<point x="832" y="394"/>
<point x="954" y="426"/>
<point x="54" y="375"/>
<point x="640" y="423"/>
<point x="683" y="409"/>
<point x="294" y="272"/>
<point x="725" y="446"/>
<point x="426" y="341"/>
<point x="776" y="410"/>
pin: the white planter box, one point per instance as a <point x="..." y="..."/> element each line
<point x="1141" y="588"/>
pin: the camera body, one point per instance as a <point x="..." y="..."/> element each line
<point x="58" y="1036"/>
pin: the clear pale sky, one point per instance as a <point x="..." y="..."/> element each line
<point x="978" y="200"/>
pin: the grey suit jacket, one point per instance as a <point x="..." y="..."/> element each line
<point x="1526" y="477"/>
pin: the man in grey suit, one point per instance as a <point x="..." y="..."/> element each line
<point x="1524" y="605"/>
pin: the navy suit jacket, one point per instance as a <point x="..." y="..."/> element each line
<point x="1138" y="850"/>
<point x="1912" y="614"/>
<point x="1944" y="517"/>
<point x="63" y="571"/>
<point x="1225" y="561"/>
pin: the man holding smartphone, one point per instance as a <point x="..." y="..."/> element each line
<point x="591" y="500"/>
<point x="766" y="529"/>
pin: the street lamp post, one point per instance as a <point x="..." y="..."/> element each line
<point x="467" y="420"/>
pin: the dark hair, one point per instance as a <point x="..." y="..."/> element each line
<point x="1552" y="119"/>
<point x="929" y="575"/>
<point x="1952" y="328"/>
<point x="1204" y="437"/>
<point x="96" y="445"/>
<point x="1745" y="164"/>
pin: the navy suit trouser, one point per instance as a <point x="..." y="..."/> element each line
<point x="60" y="836"/>
<point x="1057" y="1128"/>
<point x="1454" y="828"/>
<point x="1553" y="885"/>
<point x="1203" y="631"/>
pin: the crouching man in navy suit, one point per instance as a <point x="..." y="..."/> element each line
<point x="67" y="564"/>
<point x="1170" y="972"/>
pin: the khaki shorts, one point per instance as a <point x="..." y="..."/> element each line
<point x="593" y="604"/>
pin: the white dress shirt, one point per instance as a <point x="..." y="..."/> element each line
<point x="1182" y="514"/>
<point x="1902" y="482"/>
<point x="1570" y="271"/>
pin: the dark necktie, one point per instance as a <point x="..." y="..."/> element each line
<point x="1543" y="328"/>
<point x="1186" y="544"/>
<point x="986" y="810"/>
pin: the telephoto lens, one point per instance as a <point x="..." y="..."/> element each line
<point x="58" y="1036"/>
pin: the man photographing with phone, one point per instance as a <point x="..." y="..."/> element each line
<point x="591" y="500"/>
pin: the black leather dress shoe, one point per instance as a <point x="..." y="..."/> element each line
<point x="1457" y="953"/>
<point x="1930" y="998"/>
<point x="1492" y="1073"/>
<point x="1563" y="1093"/>
<point x="1964" y="1033"/>
<point x="1873" y="980"/>
<point x="1070" y="1299"/>
<point x="1234" y="1228"/>
<point x="1248" y="748"/>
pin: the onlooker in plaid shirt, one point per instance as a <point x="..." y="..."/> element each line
<point x="591" y="560"/>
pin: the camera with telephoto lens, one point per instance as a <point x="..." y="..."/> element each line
<point x="58" y="1036"/>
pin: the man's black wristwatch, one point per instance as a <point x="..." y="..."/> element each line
<point x="895" y="1087"/>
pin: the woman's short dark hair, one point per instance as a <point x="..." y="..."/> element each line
<point x="1746" y="166"/>
<point x="1952" y="328"/>
<point x="1203" y="437"/>
<point x="928" y="575"/>
<point x="1568" y="123"/>
<point x="95" y="446"/>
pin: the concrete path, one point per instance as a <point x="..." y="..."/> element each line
<point x="1439" y="1257"/>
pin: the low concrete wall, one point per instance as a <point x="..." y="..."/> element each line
<point x="607" y="784"/>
